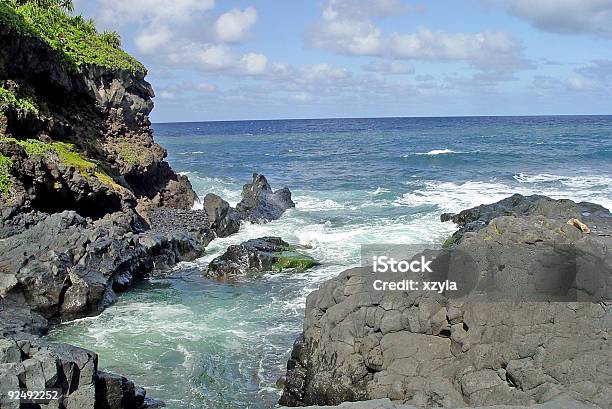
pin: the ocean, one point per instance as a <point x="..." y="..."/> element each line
<point x="199" y="343"/>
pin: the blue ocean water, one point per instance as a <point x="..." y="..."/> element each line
<point x="198" y="343"/>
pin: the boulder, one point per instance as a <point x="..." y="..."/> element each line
<point x="37" y="365"/>
<point x="223" y="219"/>
<point x="257" y="256"/>
<point x="260" y="204"/>
<point x="66" y="266"/>
<point x="498" y="344"/>
<point x="518" y="205"/>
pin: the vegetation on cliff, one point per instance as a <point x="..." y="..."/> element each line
<point x="65" y="153"/>
<point x="5" y="180"/>
<point x="9" y="99"/>
<point x="74" y="37"/>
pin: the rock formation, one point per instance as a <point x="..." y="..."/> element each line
<point x="223" y="219"/>
<point x="257" y="256"/>
<point x="260" y="204"/>
<point x="78" y="172"/>
<point x="427" y="349"/>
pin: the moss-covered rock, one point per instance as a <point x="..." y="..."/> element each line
<point x="5" y="179"/>
<point x="291" y="259"/>
<point x="266" y="254"/>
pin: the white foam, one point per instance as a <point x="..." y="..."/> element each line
<point x="454" y="197"/>
<point x="379" y="191"/>
<point x="437" y="152"/>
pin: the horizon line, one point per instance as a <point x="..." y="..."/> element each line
<point x="380" y="117"/>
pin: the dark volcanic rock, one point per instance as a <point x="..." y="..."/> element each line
<point x="103" y="112"/>
<point x="595" y="216"/>
<point x="260" y="204"/>
<point x="258" y="255"/>
<point x="428" y="349"/>
<point x="223" y="219"/>
<point x="67" y="266"/>
<point x="176" y="221"/>
<point x="37" y="365"/>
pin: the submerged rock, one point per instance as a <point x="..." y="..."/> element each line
<point x="256" y="256"/>
<point x="260" y="204"/>
<point x="431" y="349"/>
<point x="223" y="219"/>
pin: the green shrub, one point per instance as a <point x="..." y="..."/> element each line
<point x="5" y="180"/>
<point x="7" y="98"/>
<point x="75" y="38"/>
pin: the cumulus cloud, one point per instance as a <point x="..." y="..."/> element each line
<point x="188" y="34"/>
<point x="232" y="26"/>
<point x="347" y="28"/>
<point x="592" y="17"/>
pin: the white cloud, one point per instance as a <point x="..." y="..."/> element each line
<point x="148" y="41"/>
<point x="351" y="31"/>
<point x="392" y="67"/>
<point x="232" y="26"/>
<point x="592" y="17"/>
<point x="253" y="63"/>
<point x="121" y="11"/>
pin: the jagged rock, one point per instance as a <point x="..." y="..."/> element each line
<point x="67" y="266"/>
<point x="518" y="205"/>
<point x="256" y="256"/>
<point x="482" y="349"/>
<point x="103" y="112"/>
<point x="388" y="404"/>
<point x="260" y="204"/>
<point x="223" y="219"/>
<point x="37" y="365"/>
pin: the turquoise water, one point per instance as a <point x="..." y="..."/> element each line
<point x="198" y="343"/>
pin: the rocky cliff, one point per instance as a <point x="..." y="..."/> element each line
<point x="504" y="348"/>
<point x="79" y="172"/>
<point x="77" y="136"/>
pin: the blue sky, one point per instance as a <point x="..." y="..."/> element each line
<point x="265" y="59"/>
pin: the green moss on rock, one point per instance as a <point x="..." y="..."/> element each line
<point x="293" y="260"/>
<point x="67" y="156"/>
<point x="5" y="179"/>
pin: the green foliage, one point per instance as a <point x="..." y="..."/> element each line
<point x="5" y="180"/>
<point x="67" y="156"/>
<point x="294" y="260"/>
<point x="7" y="98"/>
<point x="131" y="153"/>
<point x="111" y="38"/>
<point x="75" y="38"/>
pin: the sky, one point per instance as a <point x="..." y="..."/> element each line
<point x="273" y="59"/>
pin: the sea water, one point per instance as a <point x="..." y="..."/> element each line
<point x="200" y="343"/>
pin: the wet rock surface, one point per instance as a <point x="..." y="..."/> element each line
<point x="223" y="219"/>
<point x="435" y="349"/>
<point x="260" y="204"/>
<point x="389" y="404"/>
<point x="34" y="364"/>
<point x="257" y="256"/>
